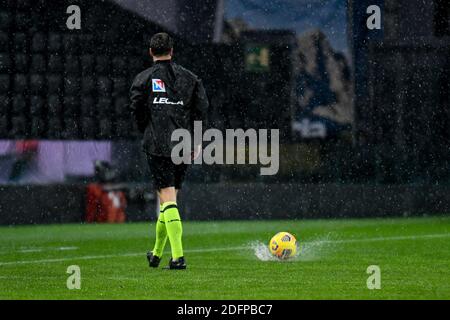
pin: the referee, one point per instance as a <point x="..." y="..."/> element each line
<point x="164" y="98"/>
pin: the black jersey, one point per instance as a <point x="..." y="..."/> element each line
<point x="164" y="98"/>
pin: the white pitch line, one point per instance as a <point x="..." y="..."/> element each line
<point x="395" y="238"/>
<point x="34" y="249"/>
<point x="136" y="254"/>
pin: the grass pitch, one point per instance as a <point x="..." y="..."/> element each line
<point x="226" y="261"/>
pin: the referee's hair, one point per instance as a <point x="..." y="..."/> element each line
<point x="161" y="44"/>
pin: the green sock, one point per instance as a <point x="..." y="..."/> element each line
<point x="161" y="235"/>
<point x="174" y="228"/>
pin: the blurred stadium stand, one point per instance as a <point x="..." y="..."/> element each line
<point x="402" y="76"/>
<point x="78" y="80"/>
<point x="61" y="84"/>
<point x="55" y="84"/>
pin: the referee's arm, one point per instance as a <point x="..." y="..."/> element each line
<point x="138" y="106"/>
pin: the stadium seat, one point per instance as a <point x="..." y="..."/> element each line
<point x="54" y="83"/>
<point x="4" y="132"/>
<point x="20" y="43"/>
<point x="71" y="44"/>
<point x="135" y="65"/>
<point x="38" y="43"/>
<point x="19" y="104"/>
<point x="87" y="107"/>
<point x="4" y="83"/>
<point x="21" y="63"/>
<point x="4" y="105"/>
<point x="102" y="65"/>
<point x="71" y="106"/>
<point x="120" y="86"/>
<point x="105" y="129"/>
<point x="5" y="20"/>
<point x="5" y="62"/>
<point x="88" y="85"/>
<point x="104" y="86"/>
<point x="38" y="63"/>
<point x="71" y="85"/>
<point x="121" y="106"/>
<point x="22" y="21"/>
<point x="104" y="107"/>
<point x="54" y="128"/>
<point x="119" y="66"/>
<point x="123" y="128"/>
<point x="37" y="127"/>
<point x="87" y="64"/>
<point x="18" y="127"/>
<point x="38" y="20"/>
<point x="36" y="105"/>
<point x="88" y="128"/>
<point x="72" y="65"/>
<point x="4" y="42"/>
<point x="88" y="43"/>
<point x="22" y="4"/>
<point x="70" y="128"/>
<point x="54" y="43"/>
<point x="55" y="63"/>
<point x="37" y="84"/>
<point x="20" y="83"/>
<point x="54" y="105"/>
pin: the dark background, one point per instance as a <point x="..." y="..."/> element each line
<point x="372" y="116"/>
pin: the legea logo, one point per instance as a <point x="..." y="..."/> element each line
<point x="235" y="148"/>
<point x="166" y="101"/>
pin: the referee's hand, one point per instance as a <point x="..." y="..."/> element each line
<point x="196" y="152"/>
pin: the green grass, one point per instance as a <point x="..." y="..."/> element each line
<point x="413" y="254"/>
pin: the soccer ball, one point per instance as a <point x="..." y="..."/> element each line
<point x="283" y="245"/>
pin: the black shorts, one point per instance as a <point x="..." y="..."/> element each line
<point x="165" y="173"/>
